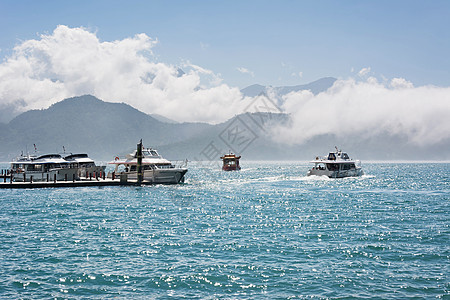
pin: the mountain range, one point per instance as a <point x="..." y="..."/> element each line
<point x="104" y="130"/>
<point x="315" y="87"/>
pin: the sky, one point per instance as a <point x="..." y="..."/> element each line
<point x="265" y="42"/>
<point x="383" y="53"/>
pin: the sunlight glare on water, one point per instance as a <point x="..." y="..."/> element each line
<point x="266" y="231"/>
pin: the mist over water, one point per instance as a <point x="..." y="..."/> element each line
<point x="267" y="231"/>
<point x="365" y="109"/>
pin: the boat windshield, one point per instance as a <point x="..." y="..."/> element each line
<point x="150" y="152"/>
<point x="331" y="156"/>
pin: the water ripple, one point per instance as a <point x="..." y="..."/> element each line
<point x="266" y="232"/>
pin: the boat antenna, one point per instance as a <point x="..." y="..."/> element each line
<point x="35" y="148"/>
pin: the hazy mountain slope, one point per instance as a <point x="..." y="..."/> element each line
<point x="87" y="124"/>
<point x="104" y="130"/>
<point x="253" y="90"/>
<point x="315" y="87"/>
<point x="163" y="119"/>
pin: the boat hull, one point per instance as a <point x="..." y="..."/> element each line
<point x="231" y="168"/>
<point x="91" y="171"/>
<point x="161" y="176"/>
<point x="336" y="174"/>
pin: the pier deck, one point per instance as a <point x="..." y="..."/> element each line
<point x="77" y="183"/>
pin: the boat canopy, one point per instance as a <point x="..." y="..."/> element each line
<point x="79" y="158"/>
<point x="43" y="159"/>
<point x="338" y="157"/>
<point x="145" y="161"/>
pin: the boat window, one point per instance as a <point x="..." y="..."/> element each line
<point x="120" y="168"/>
<point x="345" y="156"/>
<point x="331" y="156"/>
<point x="320" y="166"/>
<point x="164" y="166"/>
<point x="154" y="153"/>
<point x="333" y="167"/>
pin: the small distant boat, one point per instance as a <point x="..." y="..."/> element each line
<point x="156" y="169"/>
<point x="230" y="162"/>
<point x="85" y="164"/>
<point x="336" y="165"/>
<point x="46" y="167"/>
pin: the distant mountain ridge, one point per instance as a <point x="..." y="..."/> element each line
<point x="315" y="87"/>
<point x="86" y="124"/>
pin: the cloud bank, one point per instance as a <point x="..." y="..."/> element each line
<point x="73" y="61"/>
<point x="369" y="108"/>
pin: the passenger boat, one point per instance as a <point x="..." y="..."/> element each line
<point x="47" y="167"/>
<point x="336" y="165"/>
<point x="230" y="162"/>
<point x="156" y="169"/>
<point x="86" y="165"/>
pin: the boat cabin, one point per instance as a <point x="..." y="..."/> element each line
<point x="80" y="160"/>
<point x="230" y="162"/>
<point x="43" y="163"/>
<point x="338" y="155"/>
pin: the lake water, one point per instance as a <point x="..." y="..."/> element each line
<point x="264" y="232"/>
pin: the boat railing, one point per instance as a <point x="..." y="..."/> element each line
<point x="319" y="158"/>
<point x="180" y="163"/>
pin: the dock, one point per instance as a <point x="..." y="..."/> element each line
<point x="72" y="184"/>
<point x="10" y="178"/>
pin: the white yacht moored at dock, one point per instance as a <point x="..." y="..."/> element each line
<point x="155" y="168"/>
<point x="336" y="165"/>
<point x="48" y="167"/>
<point x="86" y="165"/>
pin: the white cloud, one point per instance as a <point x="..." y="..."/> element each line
<point x="245" y="71"/>
<point x="398" y="83"/>
<point x="368" y="108"/>
<point x="364" y="71"/>
<point x="72" y="61"/>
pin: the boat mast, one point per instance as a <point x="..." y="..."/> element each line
<point x="139" y="163"/>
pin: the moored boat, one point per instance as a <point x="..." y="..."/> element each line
<point x="155" y="168"/>
<point x="336" y="165"/>
<point x="86" y="165"/>
<point x="48" y="167"/>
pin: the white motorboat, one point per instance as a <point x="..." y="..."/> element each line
<point x="86" y="165"/>
<point x="156" y="169"/>
<point x="47" y="167"/>
<point x="336" y="165"/>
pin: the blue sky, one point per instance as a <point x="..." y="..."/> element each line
<point x="266" y="42"/>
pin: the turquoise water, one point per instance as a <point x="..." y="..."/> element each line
<point x="265" y="232"/>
